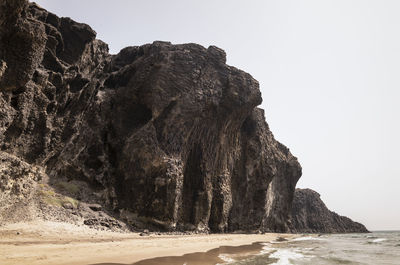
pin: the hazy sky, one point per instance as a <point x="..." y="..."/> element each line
<point x="329" y="72"/>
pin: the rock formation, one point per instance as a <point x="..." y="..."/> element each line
<point x="166" y="137"/>
<point x="310" y="215"/>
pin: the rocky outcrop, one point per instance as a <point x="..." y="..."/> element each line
<point x="310" y="215"/>
<point x="167" y="136"/>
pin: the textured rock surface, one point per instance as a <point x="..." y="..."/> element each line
<point x="310" y="215"/>
<point x="168" y="136"/>
<point x="165" y="137"/>
<point x="18" y="181"/>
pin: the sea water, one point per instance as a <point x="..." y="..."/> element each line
<point x="377" y="248"/>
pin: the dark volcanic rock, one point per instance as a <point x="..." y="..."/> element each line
<point x="310" y="215"/>
<point x="168" y="137"/>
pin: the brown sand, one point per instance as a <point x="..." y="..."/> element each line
<point x="58" y="243"/>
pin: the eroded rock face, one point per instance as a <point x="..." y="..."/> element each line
<point x="169" y="135"/>
<point x="18" y="181"/>
<point x="310" y="215"/>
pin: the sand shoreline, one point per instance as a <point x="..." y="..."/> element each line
<point x="41" y="243"/>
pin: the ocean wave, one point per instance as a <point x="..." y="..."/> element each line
<point x="304" y="238"/>
<point x="336" y="260"/>
<point x="378" y="240"/>
<point x="285" y="256"/>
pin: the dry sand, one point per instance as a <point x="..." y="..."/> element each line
<point x="59" y="243"/>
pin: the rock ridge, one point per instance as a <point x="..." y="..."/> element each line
<point x="310" y="215"/>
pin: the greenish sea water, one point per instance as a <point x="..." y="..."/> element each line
<point x="377" y="248"/>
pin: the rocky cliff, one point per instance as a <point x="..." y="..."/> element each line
<point x="160" y="136"/>
<point x="165" y="136"/>
<point x="310" y="215"/>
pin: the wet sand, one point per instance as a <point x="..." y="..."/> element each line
<point x="57" y="243"/>
<point x="210" y="257"/>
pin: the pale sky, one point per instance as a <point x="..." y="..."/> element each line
<point x="329" y="72"/>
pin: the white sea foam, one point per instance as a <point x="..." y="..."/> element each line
<point x="378" y="240"/>
<point x="304" y="238"/>
<point x="285" y="256"/>
<point x="226" y="258"/>
<point x="266" y="249"/>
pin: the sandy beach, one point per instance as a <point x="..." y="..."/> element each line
<point x="59" y="243"/>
